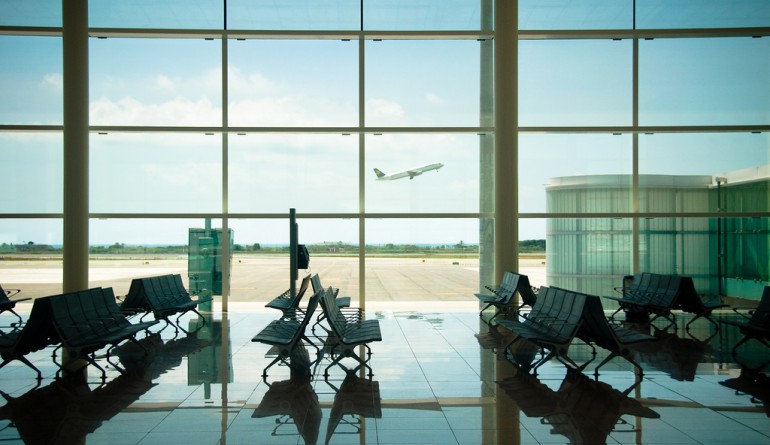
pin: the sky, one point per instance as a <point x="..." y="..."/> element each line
<point x="309" y="83"/>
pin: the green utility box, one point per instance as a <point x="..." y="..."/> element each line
<point x="204" y="260"/>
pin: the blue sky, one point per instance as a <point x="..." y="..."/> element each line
<point x="408" y="83"/>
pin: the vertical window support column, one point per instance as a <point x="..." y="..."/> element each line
<point x="225" y="174"/>
<point x="635" y="160"/>
<point x="76" y="144"/>
<point x="361" y="169"/>
<point x="506" y="137"/>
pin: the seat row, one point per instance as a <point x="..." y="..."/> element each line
<point x="344" y="332"/>
<point x="659" y="295"/>
<point x="80" y="322"/>
<point x="558" y="316"/>
<point x="86" y="321"/>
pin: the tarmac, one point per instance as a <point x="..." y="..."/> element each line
<point x="259" y="278"/>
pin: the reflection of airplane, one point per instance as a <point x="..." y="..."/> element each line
<point x="411" y="173"/>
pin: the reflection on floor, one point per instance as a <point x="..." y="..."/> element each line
<point x="437" y="380"/>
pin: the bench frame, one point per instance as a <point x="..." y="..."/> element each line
<point x="287" y="334"/>
<point x="90" y="320"/>
<point x="551" y="325"/>
<point x="346" y="334"/>
<point x="502" y="295"/>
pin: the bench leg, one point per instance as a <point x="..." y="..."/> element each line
<point x="114" y="365"/>
<point x="201" y="317"/>
<point x="26" y="362"/>
<point x="275" y="360"/>
<point x="21" y="321"/>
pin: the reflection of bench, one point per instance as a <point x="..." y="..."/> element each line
<point x="286" y="336"/>
<point x="356" y="397"/>
<point x="36" y="334"/>
<point x="89" y="320"/>
<point x="757" y="326"/>
<point x="163" y="295"/>
<point x="346" y="334"/>
<point x="68" y="409"/>
<point x="583" y="410"/>
<point x="503" y="295"/>
<point x="6" y="304"/>
<point x="660" y="294"/>
<point x="596" y="330"/>
<point x="551" y="325"/>
<point x="678" y="357"/>
<point x="287" y="304"/>
<point x="295" y="399"/>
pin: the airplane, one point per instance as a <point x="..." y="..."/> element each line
<point x="411" y="173"/>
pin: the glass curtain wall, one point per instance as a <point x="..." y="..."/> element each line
<point x="643" y="141"/>
<point x="224" y="115"/>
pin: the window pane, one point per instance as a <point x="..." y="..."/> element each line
<point x="702" y="154"/>
<point x="33" y="173"/>
<point x="124" y="249"/>
<point x="704" y="81"/>
<point x="575" y="173"/>
<point x="559" y="85"/>
<point x="569" y="14"/>
<point x="450" y="182"/>
<point x="312" y="173"/>
<point x="532" y="250"/>
<point x="745" y="245"/>
<point x="31" y="80"/>
<point x="162" y="173"/>
<point x="424" y="15"/>
<point x="293" y="83"/>
<point x="261" y="256"/>
<point x="656" y="14"/>
<point x="30" y="13"/>
<point x="422" y="259"/>
<point x="162" y="82"/>
<point x="422" y="83"/>
<point x="679" y="246"/>
<point x="588" y="255"/>
<point x="316" y="15"/>
<point x="31" y="256"/>
<point x="177" y="14"/>
<point x="695" y="163"/>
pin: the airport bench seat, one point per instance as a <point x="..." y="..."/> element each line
<point x="659" y="295"/>
<point x="287" y="304"/>
<point x="7" y="304"/>
<point x="286" y="335"/>
<point x="163" y="296"/>
<point x="551" y="325"/>
<point x="89" y="320"/>
<point x="36" y="334"/>
<point x="347" y="333"/>
<point x="757" y="325"/>
<point x="595" y="329"/>
<point x="502" y="296"/>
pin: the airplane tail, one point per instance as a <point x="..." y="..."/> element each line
<point x="379" y="173"/>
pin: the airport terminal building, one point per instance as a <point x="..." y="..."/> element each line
<point x="182" y="145"/>
<point x="725" y="256"/>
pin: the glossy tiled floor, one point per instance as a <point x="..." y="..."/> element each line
<point x="436" y="381"/>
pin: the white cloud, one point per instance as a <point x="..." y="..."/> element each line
<point x="384" y="112"/>
<point x="249" y="85"/>
<point x="164" y="82"/>
<point x="178" y="111"/>
<point x="435" y="99"/>
<point x="54" y="80"/>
